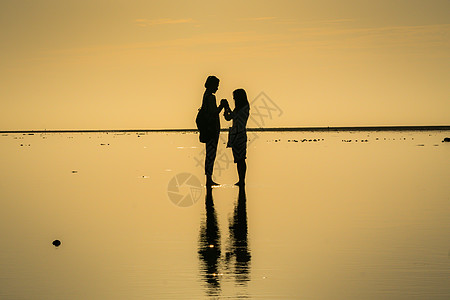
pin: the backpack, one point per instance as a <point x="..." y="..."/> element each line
<point x="203" y="125"/>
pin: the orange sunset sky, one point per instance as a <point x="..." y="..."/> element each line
<point x="135" y="64"/>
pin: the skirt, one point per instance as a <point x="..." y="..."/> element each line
<point x="239" y="146"/>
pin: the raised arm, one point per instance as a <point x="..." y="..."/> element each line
<point x="228" y="114"/>
<point x="211" y="106"/>
<point x="223" y="104"/>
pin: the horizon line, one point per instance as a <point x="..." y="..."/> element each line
<point x="258" y="129"/>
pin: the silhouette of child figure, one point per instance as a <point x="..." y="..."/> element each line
<point x="237" y="136"/>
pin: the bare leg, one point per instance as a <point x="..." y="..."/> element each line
<point x="241" y="168"/>
<point x="211" y="149"/>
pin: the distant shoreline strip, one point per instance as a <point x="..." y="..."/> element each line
<point x="269" y="129"/>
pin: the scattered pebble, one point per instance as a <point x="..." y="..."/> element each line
<point x="56" y="243"/>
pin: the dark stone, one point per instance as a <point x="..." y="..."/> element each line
<point x="56" y="243"/>
<point x="446" y="140"/>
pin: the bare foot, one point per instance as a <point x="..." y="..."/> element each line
<point x="211" y="183"/>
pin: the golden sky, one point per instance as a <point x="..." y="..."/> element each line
<point x="128" y="64"/>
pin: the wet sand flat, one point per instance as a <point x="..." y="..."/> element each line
<point x="325" y="215"/>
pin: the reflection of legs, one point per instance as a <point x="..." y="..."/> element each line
<point x="210" y="157"/>
<point x="209" y="247"/>
<point x="241" y="168"/>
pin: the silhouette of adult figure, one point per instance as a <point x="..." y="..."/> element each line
<point x="209" y="247"/>
<point x="238" y="239"/>
<point x="213" y="112"/>
<point x="237" y="137"/>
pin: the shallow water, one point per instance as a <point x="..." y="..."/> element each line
<point x="351" y="215"/>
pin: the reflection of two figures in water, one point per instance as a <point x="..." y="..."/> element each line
<point x="236" y="259"/>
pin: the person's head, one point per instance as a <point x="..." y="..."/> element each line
<point x="240" y="98"/>
<point x="212" y="83"/>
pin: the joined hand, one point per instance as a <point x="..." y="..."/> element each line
<point x="224" y="103"/>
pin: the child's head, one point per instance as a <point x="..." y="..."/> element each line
<point x="240" y="98"/>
